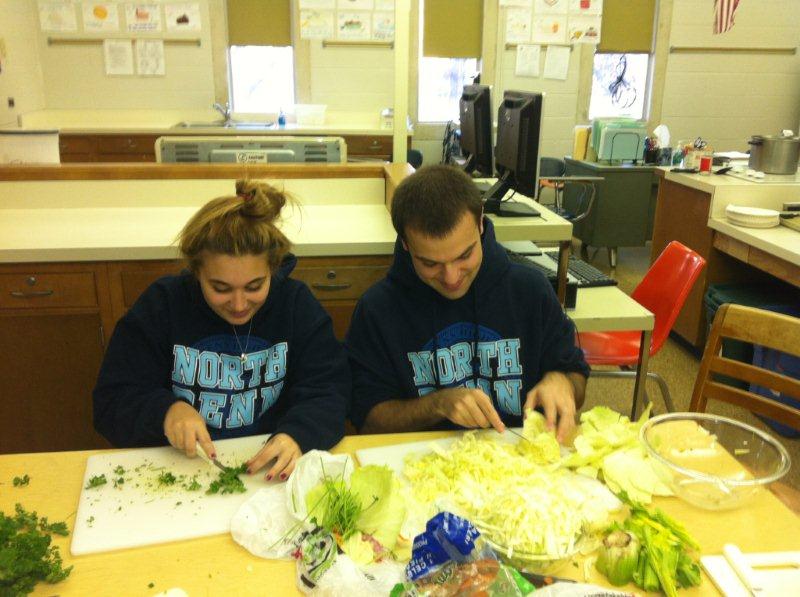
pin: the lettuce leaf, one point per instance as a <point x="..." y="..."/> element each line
<point x="383" y="506"/>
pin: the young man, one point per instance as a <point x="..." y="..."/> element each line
<point x="456" y="335"/>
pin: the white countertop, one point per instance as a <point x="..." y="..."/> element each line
<point x="136" y="220"/>
<point x="780" y="241"/>
<point x="162" y="122"/>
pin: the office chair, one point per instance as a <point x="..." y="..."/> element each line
<point x="551" y="176"/>
<point x="765" y="328"/>
<point x="549" y="167"/>
<point x="662" y="291"/>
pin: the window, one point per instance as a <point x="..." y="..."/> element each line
<point x="262" y="78"/>
<point x="619" y="85"/>
<point x="441" y="81"/>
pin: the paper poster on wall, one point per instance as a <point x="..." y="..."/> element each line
<point x="183" y="16"/>
<point x="355" y="4"/>
<point x="518" y="25"/>
<point x="150" y="57"/>
<point x="384" y="5"/>
<point x="318" y="4"/>
<point x="118" y="56"/>
<point x="586" y="7"/>
<point x="100" y="16"/>
<point x="317" y="24"/>
<point x="550" y="7"/>
<point x="549" y="30"/>
<point x="584" y="30"/>
<point x="143" y="17"/>
<point x="57" y="16"/>
<point x="527" y="60"/>
<point x="523" y="3"/>
<point x="556" y="62"/>
<point x="383" y="25"/>
<point x="353" y="25"/>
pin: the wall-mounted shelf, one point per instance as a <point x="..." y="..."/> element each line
<point x="513" y="46"/>
<point x="74" y="41"/>
<point x="713" y="50"/>
<point x="329" y="43"/>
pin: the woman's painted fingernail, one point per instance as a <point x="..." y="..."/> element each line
<point x="269" y="477"/>
<point x="283" y="476"/>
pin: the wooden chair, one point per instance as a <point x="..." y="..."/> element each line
<point x="756" y="326"/>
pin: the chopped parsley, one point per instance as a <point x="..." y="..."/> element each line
<point x="167" y="478"/>
<point x="26" y="556"/>
<point x="151" y="585"/>
<point x="21" y="481"/>
<point x="119" y="481"/>
<point x="96" y="481"/>
<point x="119" y="471"/>
<point x="193" y="486"/>
<point x="229" y="481"/>
<point x="90" y="520"/>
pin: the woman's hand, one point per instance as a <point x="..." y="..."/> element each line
<point x="185" y="428"/>
<point x="283" y="450"/>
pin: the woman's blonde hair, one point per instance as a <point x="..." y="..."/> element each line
<point x="241" y="224"/>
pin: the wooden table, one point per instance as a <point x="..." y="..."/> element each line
<point x="217" y="565"/>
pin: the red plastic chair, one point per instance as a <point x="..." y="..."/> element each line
<point x="662" y="291"/>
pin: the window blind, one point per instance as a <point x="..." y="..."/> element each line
<point x="452" y="28"/>
<point x="259" y="23"/>
<point x="627" y="26"/>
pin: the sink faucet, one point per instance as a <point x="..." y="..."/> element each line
<point x="225" y="111"/>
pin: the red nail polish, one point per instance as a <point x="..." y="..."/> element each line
<point x="269" y="477"/>
<point x="283" y="476"/>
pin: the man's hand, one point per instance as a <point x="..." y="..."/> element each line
<point x="184" y="428"/>
<point x="556" y="394"/>
<point x="283" y="450"/>
<point x="468" y="408"/>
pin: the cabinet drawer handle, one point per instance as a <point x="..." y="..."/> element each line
<point x="31" y="294"/>
<point x="331" y="286"/>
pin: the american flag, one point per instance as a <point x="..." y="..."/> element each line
<point x="723" y="15"/>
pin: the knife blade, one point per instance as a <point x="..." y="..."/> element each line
<point x="518" y="434"/>
<point x="207" y="458"/>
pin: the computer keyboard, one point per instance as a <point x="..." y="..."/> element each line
<point x="525" y="260"/>
<point x="587" y="275"/>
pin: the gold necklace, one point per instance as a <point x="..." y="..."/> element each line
<point x="243" y="355"/>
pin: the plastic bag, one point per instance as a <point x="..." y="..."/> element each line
<point x="450" y="558"/>
<point x="263" y="525"/>
<point x="323" y="570"/>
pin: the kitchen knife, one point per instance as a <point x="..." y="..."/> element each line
<point x="207" y="458"/>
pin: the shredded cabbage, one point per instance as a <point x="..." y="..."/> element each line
<point x="526" y="507"/>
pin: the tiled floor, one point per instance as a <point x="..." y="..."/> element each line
<point x="674" y="363"/>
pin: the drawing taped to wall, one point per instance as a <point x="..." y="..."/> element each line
<point x="383" y="26"/>
<point x="100" y="16"/>
<point x="353" y="25"/>
<point x="57" y="16"/>
<point x="317" y="24"/>
<point x="183" y="16"/>
<point x="143" y="17"/>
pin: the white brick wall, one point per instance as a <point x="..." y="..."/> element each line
<point x="726" y="98"/>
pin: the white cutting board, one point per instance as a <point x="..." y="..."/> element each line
<point x="111" y="518"/>
<point x="777" y="572"/>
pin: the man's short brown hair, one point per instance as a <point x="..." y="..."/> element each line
<point x="433" y="200"/>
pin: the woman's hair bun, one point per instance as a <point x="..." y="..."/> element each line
<point x="259" y="199"/>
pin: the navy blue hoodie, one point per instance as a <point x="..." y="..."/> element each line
<point x="503" y="335"/>
<point x="171" y="346"/>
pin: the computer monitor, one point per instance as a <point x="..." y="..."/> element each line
<point x="475" y="109"/>
<point x="519" y="130"/>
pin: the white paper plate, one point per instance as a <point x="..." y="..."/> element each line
<point x="752" y="217"/>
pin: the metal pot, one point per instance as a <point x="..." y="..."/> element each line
<point x="774" y="154"/>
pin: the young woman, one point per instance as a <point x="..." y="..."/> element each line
<point x="233" y="347"/>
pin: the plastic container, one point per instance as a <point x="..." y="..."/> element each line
<point x="310" y="114"/>
<point x="713" y="462"/>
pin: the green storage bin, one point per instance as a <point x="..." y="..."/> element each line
<point x="762" y="296"/>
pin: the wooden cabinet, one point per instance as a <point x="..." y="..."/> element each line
<point x="337" y="282"/>
<point x="108" y="148"/>
<point x="51" y="325"/>
<point x="682" y="215"/>
<point x="141" y="148"/>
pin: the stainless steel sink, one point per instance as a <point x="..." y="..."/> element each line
<point x="221" y="124"/>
